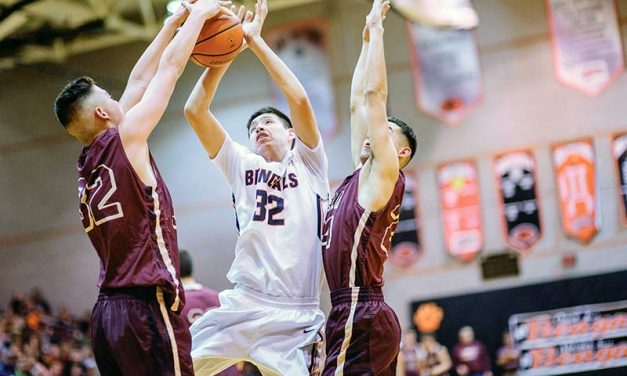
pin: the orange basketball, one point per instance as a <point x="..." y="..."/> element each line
<point x="219" y="41"/>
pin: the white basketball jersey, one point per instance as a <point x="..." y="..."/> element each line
<point x="279" y="209"/>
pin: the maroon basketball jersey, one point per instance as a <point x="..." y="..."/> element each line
<point x="356" y="241"/>
<point x="131" y="225"/>
<point x="198" y="300"/>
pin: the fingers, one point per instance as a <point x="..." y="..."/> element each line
<point x="187" y="5"/>
<point x="386" y="8"/>
<point x="241" y="11"/>
<point x="249" y="16"/>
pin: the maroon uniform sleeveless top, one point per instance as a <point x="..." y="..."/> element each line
<point x="356" y="241"/>
<point x="131" y="225"/>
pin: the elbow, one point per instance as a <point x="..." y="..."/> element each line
<point x="375" y="94"/>
<point x="356" y="104"/>
<point x="190" y="109"/>
<point x="299" y="98"/>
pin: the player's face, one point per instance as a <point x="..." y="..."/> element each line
<point x="397" y="138"/>
<point x="268" y="133"/>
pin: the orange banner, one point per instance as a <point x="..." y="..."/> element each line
<point x="576" y="186"/>
<point x="461" y="209"/>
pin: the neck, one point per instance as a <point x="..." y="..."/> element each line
<point x="273" y="155"/>
<point x="188" y="280"/>
<point x="88" y="136"/>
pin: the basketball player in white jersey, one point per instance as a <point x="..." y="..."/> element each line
<point x="271" y="317"/>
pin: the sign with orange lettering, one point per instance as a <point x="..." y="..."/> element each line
<point x="619" y="150"/>
<point x="587" y="45"/>
<point x="569" y="340"/>
<point x="520" y="207"/>
<point x="576" y="187"/>
<point x="446" y="71"/>
<point x="406" y="242"/>
<point x="461" y="208"/>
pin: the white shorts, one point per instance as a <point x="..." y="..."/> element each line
<point x="278" y="335"/>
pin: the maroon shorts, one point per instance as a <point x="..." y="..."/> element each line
<point x="131" y="336"/>
<point x="369" y="343"/>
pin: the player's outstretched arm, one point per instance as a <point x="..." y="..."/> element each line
<point x="146" y="67"/>
<point x="301" y="112"/>
<point x="209" y="130"/>
<point x="359" y="128"/>
<point x="383" y="172"/>
<point x="144" y="116"/>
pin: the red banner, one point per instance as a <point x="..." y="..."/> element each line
<point x="576" y="185"/>
<point x="446" y="71"/>
<point x="303" y="48"/>
<point x="461" y="208"/>
<point x="520" y="207"/>
<point x="619" y="151"/>
<point x="587" y="45"/>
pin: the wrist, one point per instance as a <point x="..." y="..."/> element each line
<point x="376" y="27"/>
<point x="173" y="22"/>
<point x="254" y="41"/>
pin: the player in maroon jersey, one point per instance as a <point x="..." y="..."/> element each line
<point x="126" y="208"/>
<point x="198" y="300"/>
<point x="363" y="333"/>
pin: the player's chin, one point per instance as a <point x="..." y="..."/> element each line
<point x="365" y="153"/>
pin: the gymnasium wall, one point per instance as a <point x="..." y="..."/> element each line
<point x="42" y="242"/>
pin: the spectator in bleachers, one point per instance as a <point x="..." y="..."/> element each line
<point x="409" y="355"/>
<point x="470" y="356"/>
<point x="434" y="358"/>
<point x="33" y="342"/>
<point x="507" y="356"/>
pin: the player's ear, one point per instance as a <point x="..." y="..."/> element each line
<point x="404" y="152"/>
<point x="101" y="113"/>
<point x="291" y="134"/>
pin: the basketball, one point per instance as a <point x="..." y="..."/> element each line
<point x="219" y="41"/>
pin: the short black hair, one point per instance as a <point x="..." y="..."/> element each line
<point x="185" y="261"/>
<point x="269" y="110"/>
<point x="70" y="98"/>
<point x="408" y="133"/>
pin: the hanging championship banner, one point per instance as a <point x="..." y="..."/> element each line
<point x="446" y="71"/>
<point x="587" y="46"/>
<point x="571" y="340"/>
<point x="461" y="209"/>
<point x="406" y="242"/>
<point x="520" y="208"/>
<point x="619" y="151"/>
<point x="303" y="48"/>
<point x="576" y="187"/>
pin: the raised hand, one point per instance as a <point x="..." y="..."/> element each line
<point x="181" y="13"/>
<point x="376" y="16"/>
<point x="252" y="25"/>
<point x="209" y="8"/>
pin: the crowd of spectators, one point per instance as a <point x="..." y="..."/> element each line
<point x="36" y="340"/>
<point x="469" y="357"/>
